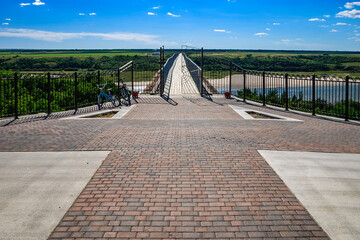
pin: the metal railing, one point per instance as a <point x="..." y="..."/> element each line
<point x="327" y="95"/>
<point x="30" y="93"/>
<point x="195" y="72"/>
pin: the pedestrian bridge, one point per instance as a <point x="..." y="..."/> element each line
<point x="179" y="80"/>
<point x="181" y="77"/>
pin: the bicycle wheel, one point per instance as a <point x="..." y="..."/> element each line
<point x="115" y="101"/>
<point x="101" y="101"/>
<point x="125" y="97"/>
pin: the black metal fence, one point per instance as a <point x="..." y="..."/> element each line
<point x="29" y="93"/>
<point x="328" y="95"/>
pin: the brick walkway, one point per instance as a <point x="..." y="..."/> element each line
<point x="185" y="171"/>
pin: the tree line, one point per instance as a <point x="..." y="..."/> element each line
<point x="76" y="63"/>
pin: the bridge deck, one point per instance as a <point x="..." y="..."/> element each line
<point x="186" y="171"/>
<point x="181" y="80"/>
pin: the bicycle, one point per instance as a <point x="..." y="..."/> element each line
<point x="103" y="97"/>
<point x="124" y="94"/>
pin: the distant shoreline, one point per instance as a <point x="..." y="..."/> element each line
<point x="178" y="49"/>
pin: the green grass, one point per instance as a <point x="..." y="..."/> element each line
<point x="233" y="54"/>
<point x="352" y="64"/>
<point x="81" y="54"/>
<point x="351" y="59"/>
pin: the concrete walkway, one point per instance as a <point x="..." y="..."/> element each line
<point x="188" y="170"/>
<point x="37" y="189"/>
<point x="182" y="82"/>
<point x="327" y="184"/>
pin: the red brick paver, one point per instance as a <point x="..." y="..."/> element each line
<point x="189" y="171"/>
<point x="183" y="193"/>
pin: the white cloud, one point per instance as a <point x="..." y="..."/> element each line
<point x="292" y="41"/>
<point x="151" y="13"/>
<point x="156" y="7"/>
<point x="261" y="34"/>
<point x="355" y="38"/>
<point x="268" y="29"/>
<point x="173" y="15"/>
<point x="327" y="16"/>
<point x="221" y="30"/>
<point x="276" y="24"/>
<point x="38" y="3"/>
<point x="7" y="19"/>
<point x="316" y="20"/>
<point x="92" y="14"/>
<point x="333" y="30"/>
<point x="341" y="24"/>
<point x="350" y="5"/>
<point x="349" y="14"/>
<point x="81" y="14"/>
<point x="24" y="4"/>
<point x="5" y="23"/>
<point x="61" y="36"/>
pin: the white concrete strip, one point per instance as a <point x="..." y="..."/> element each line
<point x="37" y="189"/>
<point x="327" y="184"/>
<point x="121" y="112"/>
<point x="243" y="113"/>
<point x="175" y="88"/>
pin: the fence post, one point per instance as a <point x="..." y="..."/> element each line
<point x="98" y="80"/>
<point x="230" y="78"/>
<point x="161" y="72"/>
<point x="347" y="98"/>
<point x="132" y="77"/>
<point x="16" y="96"/>
<point x="202" y="71"/>
<point x="244" y="72"/>
<point x="286" y="91"/>
<point x="76" y="91"/>
<point x="118" y="83"/>
<point x="162" y="64"/>
<point x="49" y="93"/>
<point x="313" y="93"/>
<point x="263" y="74"/>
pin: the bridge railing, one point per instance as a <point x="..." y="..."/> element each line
<point x="195" y="72"/>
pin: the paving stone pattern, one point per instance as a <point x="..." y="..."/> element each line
<point x="185" y="171"/>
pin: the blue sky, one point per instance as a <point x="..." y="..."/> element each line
<point x="228" y="24"/>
